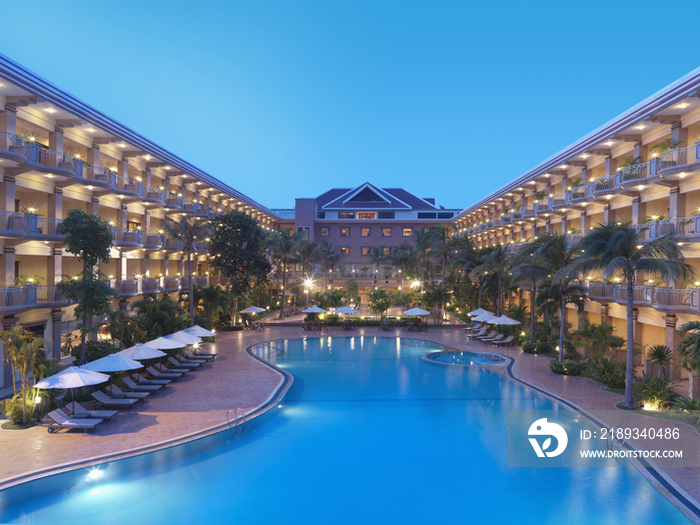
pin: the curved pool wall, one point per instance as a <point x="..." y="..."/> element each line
<point x="366" y="431"/>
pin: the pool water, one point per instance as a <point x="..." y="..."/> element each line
<point x="368" y="433"/>
<point x="465" y="358"/>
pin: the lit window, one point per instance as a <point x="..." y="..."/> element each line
<point x="346" y="214"/>
<point x="345" y="232"/>
<point x="345" y="250"/>
<point x="407" y="232"/>
<point x="366" y="215"/>
<point x="325" y="232"/>
<point x="365" y="250"/>
<point x="366" y="232"/>
<point x="386" y="250"/>
<point x="386" y="232"/>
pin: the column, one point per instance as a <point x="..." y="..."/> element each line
<point x="121" y="267"/>
<point x="55" y="210"/>
<point x="93" y="155"/>
<point x="54" y="266"/>
<point x="147" y="222"/>
<point x="672" y="340"/>
<point x="608" y="213"/>
<point x="8" y="119"/>
<point x="585" y="221"/>
<point x="610" y="166"/>
<point x="147" y="179"/>
<point x="604" y="314"/>
<point x="640" y="151"/>
<point x="679" y="133"/>
<point x="7" y="267"/>
<point x="166" y="269"/>
<point x="123" y="168"/>
<point x="56" y="139"/>
<point x="638" y="210"/>
<point x="146" y="266"/>
<point x="93" y="206"/>
<point x="56" y="330"/>
<point x="676" y="203"/>
<point x="121" y="217"/>
<point x="7" y="193"/>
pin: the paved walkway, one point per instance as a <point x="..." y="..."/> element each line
<point x="201" y="400"/>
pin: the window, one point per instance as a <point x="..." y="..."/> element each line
<point x="366" y="215"/>
<point x="445" y="215"/>
<point x="366" y="232"/>
<point x="321" y="215"/>
<point x="304" y="232"/>
<point x="345" y="250"/>
<point x="386" y="232"/>
<point x="345" y="232"/>
<point x="365" y="250"/>
<point x="426" y="215"/>
<point x="386" y="215"/>
<point x="386" y="250"/>
<point x="324" y="232"/>
<point x="131" y="225"/>
<point x="346" y="214"/>
<point x="407" y="232"/>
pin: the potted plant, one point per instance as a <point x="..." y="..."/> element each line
<point x="539" y="196"/>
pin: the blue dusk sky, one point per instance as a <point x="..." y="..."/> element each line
<point x="285" y="99"/>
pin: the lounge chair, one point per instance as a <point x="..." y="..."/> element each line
<point x="78" y="410"/>
<point x="510" y="340"/>
<point x="141" y="380"/>
<point x="189" y="358"/>
<point x="493" y="339"/>
<point x="200" y="355"/>
<point x="106" y="401"/>
<point x="475" y="328"/>
<point x="168" y="370"/>
<point x="490" y="335"/>
<point x="118" y="393"/>
<point x="185" y="364"/>
<point x="61" y="420"/>
<point x="474" y="336"/>
<point x="162" y="375"/>
<point x="135" y="387"/>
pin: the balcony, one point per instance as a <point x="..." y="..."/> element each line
<point x="601" y="187"/>
<point x="12" y="224"/>
<point x="528" y="211"/>
<point x="172" y="244"/>
<point x="541" y="206"/>
<point x="189" y="206"/>
<point x="150" y="286"/>
<point x="170" y="284"/>
<point x="173" y="201"/>
<point x="674" y="165"/>
<point x="670" y="300"/>
<point x="126" y="288"/>
<point x="153" y="194"/>
<point x="128" y="187"/>
<point x="30" y="296"/>
<point x="201" y="246"/>
<point x="506" y="218"/>
<point x="153" y="241"/>
<point x="12" y="147"/>
<point x="48" y="296"/>
<point x="203" y="211"/>
<point x="93" y="175"/>
<point x="633" y="176"/>
<point x="578" y="195"/>
<point x="201" y="280"/>
<point x="496" y="222"/>
<point x="127" y="238"/>
<point x="56" y="163"/>
<point x="44" y="228"/>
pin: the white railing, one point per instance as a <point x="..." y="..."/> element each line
<point x="578" y="193"/>
<point x="675" y="298"/>
<point x="561" y="199"/>
<point x="122" y="236"/>
<point x="201" y="280"/>
<point x="528" y="211"/>
<point x="46" y="226"/>
<point x="496" y="222"/>
<point x="127" y="184"/>
<point x="678" y="226"/>
<point x="153" y="239"/>
<point x="56" y="159"/>
<point x="600" y="290"/>
<point x="678" y="157"/>
<point x="150" y="285"/>
<point x="542" y="205"/>
<point x="49" y="294"/>
<point x="172" y="243"/>
<point x="602" y="184"/>
<point x="171" y="284"/>
<point x="634" y="172"/>
<point x="13" y="221"/>
<point x="154" y="193"/>
<point x="13" y="144"/>
<point x="173" y="201"/>
<point x="203" y="210"/>
<point x="201" y="246"/>
<point x="13" y="298"/>
<point x="128" y="287"/>
<point x="639" y="293"/>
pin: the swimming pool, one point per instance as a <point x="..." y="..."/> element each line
<point x="464" y="358"/>
<point x="368" y="433"/>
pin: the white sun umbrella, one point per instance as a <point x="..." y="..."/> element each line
<point x="346" y="310"/>
<point x="140" y="352"/>
<point x="416" y="311"/>
<point x="288" y="293"/>
<point x="315" y="310"/>
<point x="72" y="378"/>
<point x="503" y="320"/>
<point x="479" y="311"/>
<point x="184" y="337"/>
<point x="164" y="344"/>
<point x="252" y="310"/>
<point x="199" y="331"/>
<point x="112" y="363"/>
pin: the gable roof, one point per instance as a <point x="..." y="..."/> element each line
<point x="369" y="196"/>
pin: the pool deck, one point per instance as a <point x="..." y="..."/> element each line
<point x="201" y="399"/>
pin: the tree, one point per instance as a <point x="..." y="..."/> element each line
<point x="157" y="317"/>
<point x="187" y="231"/>
<point x="598" y="338"/>
<point x="306" y="255"/>
<point x="89" y="238"/>
<point x="237" y="249"/>
<point x="495" y="263"/>
<point x="376" y="257"/>
<point x="689" y="347"/>
<point x="284" y="248"/>
<point x="617" y="249"/>
<point x="378" y="301"/>
<point x="329" y="256"/>
<point x="402" y="259"/>
<point x="662" y="356"/>
<point x="23" y="350"/>
<point x="442" y="242"/>
<point x="353" y="292"/>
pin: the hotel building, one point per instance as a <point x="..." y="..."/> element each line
<point x="58" y="153"/>
<point x="642" y="167"/>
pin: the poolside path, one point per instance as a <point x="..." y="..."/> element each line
<point x="235" y="379"/>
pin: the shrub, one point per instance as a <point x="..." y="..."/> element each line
<point x="654" y="392"/>
<point x="94" y="350"/>
<point x="608" y="371"/>
<point x="543" y="347"/>
<point x="687" y="403"/>
<point x="567" y="367"/>
<point x="12" y="408"/>
<point x="332" y="319"/>
<point x="528" y="347"/>
<point x="570" y="352"/>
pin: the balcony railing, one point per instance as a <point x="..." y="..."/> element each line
<point x="203" y="210"/>
<point x="496" y="222"/>
<point x="122" y="236"/>
<point x="541" y="206"/>
<point x="188" y="205"/>
<point x="561" y="199"/>
<point x="201" y="280"/>
<point x="13" y="298"/>
<point x="578" y="193"/>
<point x="13" y="222"/>
<point x="56" y="160"/>
<point x="153" y="240"/>
<point x="602" y="184"/>
<point x="150" y="285"/>
<point x="634" y="172"/>
<point x="45" y="226"/>
<point x="154" y="193"/>
<point x="14" y="144"/>
<point x="202" y="246"/>
<point x="128" y="185"/>
<point x="29" y="296"/>
<point x="172" y="244"/>
<point x="173" y="201"/>
<point x="676" y="299"/>
<point x="679" y="157"/>
<point x="528" y="211"/>
<point x="170" y="284"/>
<point x="49" y="294"/>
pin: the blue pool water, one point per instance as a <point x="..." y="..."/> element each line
<point x="465" y="358"/>
<point x="368" y="433"/>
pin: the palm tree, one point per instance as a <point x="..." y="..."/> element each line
<point x="284" y="245"/>
<point x="23" y="350"/>
<point x="689" y="347"/>
<point x="617" y="249"/>
<point x="598" y="338"/>
<point x="662" y="356"/>
<point x="307" y="254"/>
<point x="187" y="231"/>
<point x="402" y="259"/>
<point x="376" y="257"/>
<point x="329" y="256"/>
<point x="422" y="239"/>
<point x="497" y="263"/>
<point x="442" y="243"/>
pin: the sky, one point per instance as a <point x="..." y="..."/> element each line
<point x="287" y="99"/>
